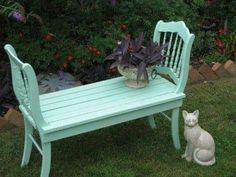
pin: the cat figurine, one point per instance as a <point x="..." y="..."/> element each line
<point x="200" y="144"/>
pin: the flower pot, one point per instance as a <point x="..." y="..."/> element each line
<point x="130" y="72"/>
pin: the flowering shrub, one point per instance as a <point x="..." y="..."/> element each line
<point x="19" y="16"/>
<point x="226" y="44"/>
<point x="12" y="9"/>
<point x="17" y="11"/>
<point x="77" y="35"/>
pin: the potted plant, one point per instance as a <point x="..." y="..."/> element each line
<point x="136" y="62"/>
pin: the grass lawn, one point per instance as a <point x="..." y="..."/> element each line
<point x="133" y="149"/>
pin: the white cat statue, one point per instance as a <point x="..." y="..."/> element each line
<point x="200" y="144"/>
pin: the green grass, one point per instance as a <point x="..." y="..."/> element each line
<point x="133" y="149"/>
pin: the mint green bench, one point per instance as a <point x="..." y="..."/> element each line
<point x="90" y="107"/>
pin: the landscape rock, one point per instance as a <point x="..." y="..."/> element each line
<point x="230" y="66"/>
<point x="228" y="63"/>
<point x="194" y="75"/>
<point x="207" y="72"/>
<point x="3" y="122"/>
<point x="219" y="69"/>
<point x="14" y="117"/>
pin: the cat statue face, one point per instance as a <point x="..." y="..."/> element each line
<point x="200" y="144"/>
<point x="191" y="119"/>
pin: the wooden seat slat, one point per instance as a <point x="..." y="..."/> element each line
<point x="89" y="87"/>
<point x="100" y="114"/>
<point x="106" y="103"/>
<point x="100" y="96"/>
<point x="79" y="92"/>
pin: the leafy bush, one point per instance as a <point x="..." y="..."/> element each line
<point x="7" y="98"/>
<point x="75" y="35"/>
<point x="224" y="47"/>
<point x="207" y="18"/>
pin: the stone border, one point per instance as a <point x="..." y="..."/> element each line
<point x="3" y="122"/>
<point x="12" y="116"/>
<point x="206" y="72"/>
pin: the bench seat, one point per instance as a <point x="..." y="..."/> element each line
<point x="106" y="99"/>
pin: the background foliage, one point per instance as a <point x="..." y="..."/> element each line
<point x="76" y="35"/>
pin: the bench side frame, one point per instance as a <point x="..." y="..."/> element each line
<point x="25" y="87"/>
<point x="178" y="75"/>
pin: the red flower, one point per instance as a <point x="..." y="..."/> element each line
<point x="234" y="52"/>
<point x="222" y="31"/>
<point x="219" y="44"/>
<point x="56" y="55"/>
<point x="65" y="65"/>
<point x="224" y="50"/>
<point x="94" y="49"/>
<point x="123" y="27"/>
<point x="82" y="62"/>
<point x="209" y="2"/>
<point x="90" y="49"/>
<point x="69" y="57"/>
<point x="97" y="53"/>
<point x="49" y="37"/>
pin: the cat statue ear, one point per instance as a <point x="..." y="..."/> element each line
<point x="185" y="113"/>
<point x="196" y="113"/>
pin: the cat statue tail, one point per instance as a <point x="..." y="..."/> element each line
<point x="207" y="163"/>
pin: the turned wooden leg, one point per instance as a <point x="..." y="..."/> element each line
<point x="28" y="143"/>
<point x="46" y="161"/>
<point x="151" y="121"/>
<point x="175" y="127"/>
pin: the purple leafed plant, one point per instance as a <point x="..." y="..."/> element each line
<point x="55" y="82"/>
<point x="19" y="16"/>
<point x="132" y="53"/>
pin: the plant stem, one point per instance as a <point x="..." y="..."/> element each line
<point x="7" y="7"/>
<point x="226" y="25"/>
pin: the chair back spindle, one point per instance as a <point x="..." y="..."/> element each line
<point x="177" y="55"/>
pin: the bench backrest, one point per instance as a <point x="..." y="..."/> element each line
<point x="25" y="87"/>
<point x="177" y="55"/>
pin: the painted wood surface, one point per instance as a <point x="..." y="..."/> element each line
<point x="177" y="56"/>
<point x="90" y="107"/>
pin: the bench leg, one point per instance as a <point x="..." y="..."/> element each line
<point x="175" y="127"/>
<point x="151" y="121"/>
<point x="28" y="143"/>
<point x="46" y="161"/>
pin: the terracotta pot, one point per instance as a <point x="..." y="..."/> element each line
<point x="130" y="72"/>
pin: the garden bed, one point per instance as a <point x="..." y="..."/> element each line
<point x="75" y="36"/>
